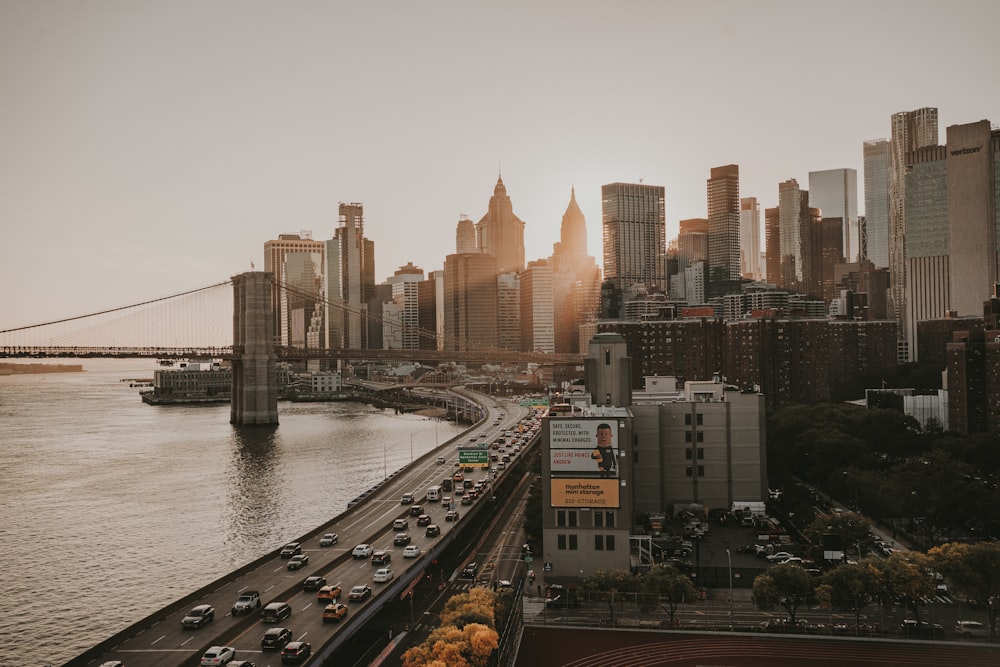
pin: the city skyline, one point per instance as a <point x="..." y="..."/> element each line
<point x="154" y="150"/>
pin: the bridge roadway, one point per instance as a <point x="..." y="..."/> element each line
<point x="160" y="641"/>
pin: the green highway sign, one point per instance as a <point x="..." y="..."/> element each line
<point x="474" y="458"/>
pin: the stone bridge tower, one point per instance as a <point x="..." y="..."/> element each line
<point x="255" y="375"/>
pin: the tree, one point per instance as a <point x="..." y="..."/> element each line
<point x="973" y="569"/>
<point x="664" y="582"/>
<point x="902" y="576"/>
<point x="476" y="606"/>
<point x="786" y="585"/>
<point x="449" y="646"/>
<point x="849" y="587"/>
<point x="852" y="528"/>
<point x="605" y="584"/>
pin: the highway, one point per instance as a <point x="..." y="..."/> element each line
<point x="160" y="640"/>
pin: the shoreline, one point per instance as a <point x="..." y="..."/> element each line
<point x="25" y="369"/>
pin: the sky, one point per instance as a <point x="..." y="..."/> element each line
<point x="148" y="147"/>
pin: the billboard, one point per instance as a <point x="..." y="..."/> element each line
<point x="585" y="447"/>
<point x="584" y="493"/>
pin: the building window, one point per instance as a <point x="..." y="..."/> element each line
<point x="688" y="471"/>
<point x="609" y="542"/>
<point x="561" y="518"/>
<point x="572" y="542"/>
<point x="688" y="453"/>
<point x="573" y="518"/>
<point x="687" y="419"/>
<point x="701" y="436"/>
<point x="561" y="542"/>
<point x="598" y="519"/>
<point x="687" y="436"/>
<point x="598" y="543"/>
<point x="567" y="518"/>
<point x="701" y="471"/>
<point x="701" y="453"/>
<point x="699" y="418"/>
<point x="604" y="519"/>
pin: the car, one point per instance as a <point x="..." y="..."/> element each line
<point x="335" y="611"/>
<point x="328" y="593"/>
<point x="451" y="515"/>
<point x="559" y="602"/>
<point x="416" y="510"/>
<point x="432" y="530"/>
<point x="401" y="539"/>
<point x="381" y="557"/>
<point x="298" y="561"/>
<point x="400" y="524"/>
<point x="780" y="556"/>
<point x="470" y="571"/>
<point x="328" y="540"/>
<point x="218" y="655"/>
<point x="241" y="663"/>
<point x="406" y="498"/>
<point x="501" y="466"/>
<point x="360" y="593"/>
<point x="296" y="652"/>
<point x="923" y="629"/>
<point x="291" y="549"/>
<point x="971" y="629"/>
<point x="446" y="500"/>
<point x="275" y="638"/>
<point x="383" y="575"/>
<point x="112" y="663"/>
<point x="459" y="491"/>
<point x="362" y="551"/>
<point x="467" y="500"/>
<point x="276" y="611"/>
<point x="411" y="551"/>
<point x="423" y="520"/>
<point x="747" y="549"/>
<point x="440" y="460"/>
<point x="246" y="603"/>
<point x="198" y="616"/>
<point x="790" y="561"/>
<point x="313" y="583"/>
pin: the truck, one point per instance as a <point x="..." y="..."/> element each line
<point x="246" y="603"/>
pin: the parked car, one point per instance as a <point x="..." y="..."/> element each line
<point x="362" y="551"/>
<point x="780" y="556"/>
<point x="198" y="616"/>
<point x="298" y="561"/>
<point x="411" y="551"/>
<point x="246" y="603"/>
<point x="328" y="593"/>
<point x="335" y="611"/>
<point x="291" y="549"/>
<point x="360" y="593"/>
<point x="295" y="653"/>
<point x="218" y="655"/>
<point x="971" y="629"/>
<point x="275" y="638"/>
<point x="276" y="611"/>
<point x="328" y="540"/>
<point x="383" y="575"/>
<point x="313" y="583"/>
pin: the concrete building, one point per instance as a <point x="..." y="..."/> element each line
<point x="470" y="301"/>
<point x="634" y="231"/>
<point x="405" y="329"/>
<point x="875" y="237"/>
<point x="537" y="312"/>
<point x="296" y="261"/>
<point x="508" y="315"/>
<point x="465" y="237"/>
<point x="724" y="230"/>
<point x="750" y="252"/>
<point x="835" y="193"/>
<point x="501" y="233"/>
<point x="576" y="280"/>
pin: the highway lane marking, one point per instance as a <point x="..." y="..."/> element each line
<point x="153" y="643"/>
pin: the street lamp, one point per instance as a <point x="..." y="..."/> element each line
<point x="729" y="557"/>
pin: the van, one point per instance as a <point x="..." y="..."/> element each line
<point x="407" y="499"/>
<point x="433" y="493"/>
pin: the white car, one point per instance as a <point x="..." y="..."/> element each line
<point x="411" y="551"/>
<point x="971" y="629"/>
<point x="382" y="575"/>
<point x="362" y="551"/>
<point x="440" y="460"/>
<point x="400" y="524"/>
<point x="218" y="655"/>
<point x="780" y="556"/>
<point x="328" y="540"/>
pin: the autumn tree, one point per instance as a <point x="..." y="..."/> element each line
<point x="476" y="606"/>
<point x="849" y="587"/>
<point x="789" y="586"/>
<point x="903" y="576"/>
<point x="973" y="569"/>
<point x="449" y="646"/>
<point x="606" y="584"/>
<point x="664" y="583"/>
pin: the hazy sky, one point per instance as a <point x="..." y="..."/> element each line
<point x="149" y="147"/>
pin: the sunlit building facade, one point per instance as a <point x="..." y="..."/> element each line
<point x="634" y="234"/>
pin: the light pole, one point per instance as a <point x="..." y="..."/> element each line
<point x="411" y="448"/>
<point x="729" y="557"/>
<point x="385" y="467"/>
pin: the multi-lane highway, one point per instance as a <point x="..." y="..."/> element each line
<point x="160" y="640"/>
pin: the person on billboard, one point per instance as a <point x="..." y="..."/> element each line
<point x="604" y="453"/>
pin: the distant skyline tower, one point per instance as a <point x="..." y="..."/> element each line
<point x="911" y="130"/>
<point x="501" y="233"/>
<point x="724" y="230"/>
<point x="297" y="262"/>
<point x="633" y="221"/>
<point x="793" y="223"/>
<point x="470" y="302"/>
<point x="692" y="256"/>
<point x="465" y="236"/>
<point x="576" y="280"/>
<point x="876" y="232"/>
<point x="750" y="239"/>
<point x="835" y="193"/>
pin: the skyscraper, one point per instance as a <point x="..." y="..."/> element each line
<point x="296" y="262"/>
<point x="465" y="236"/>
<point x="724" y="230"/>
<point x="634" y="233"/>
<point x="794" y="236"/>
<point x="501" y="233"/>
<point x="876" y="231"/>
<point x="470" y="301"/>
<point x="692" y="258"/>
<point x="576" y="280"/>
<point x="536" y="317"/>
<point x="835" y="193"/>
<point x="910" y="130"/>
<point x="750" y="239"/>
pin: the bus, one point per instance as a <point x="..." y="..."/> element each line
<point x="434" y="493"/>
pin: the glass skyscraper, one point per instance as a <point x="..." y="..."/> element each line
<point x="634" y="232"/>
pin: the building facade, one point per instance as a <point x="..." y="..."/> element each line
<point x="750" y="251"/>
<point x="724" y="271"/>
<point x="835" y="193"/>
<point x="501" y="233"/>
<point x="634" y="234"/>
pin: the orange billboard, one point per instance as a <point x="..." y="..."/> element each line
<point x="585" y="493"/>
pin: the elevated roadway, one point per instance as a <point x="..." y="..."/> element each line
<point x="160" y="641"/>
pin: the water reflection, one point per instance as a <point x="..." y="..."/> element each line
<point x="255" y="488"/>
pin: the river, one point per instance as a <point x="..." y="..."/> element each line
<point x="110" y="508"/>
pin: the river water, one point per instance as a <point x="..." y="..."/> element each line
<point x="110" y="508"/>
